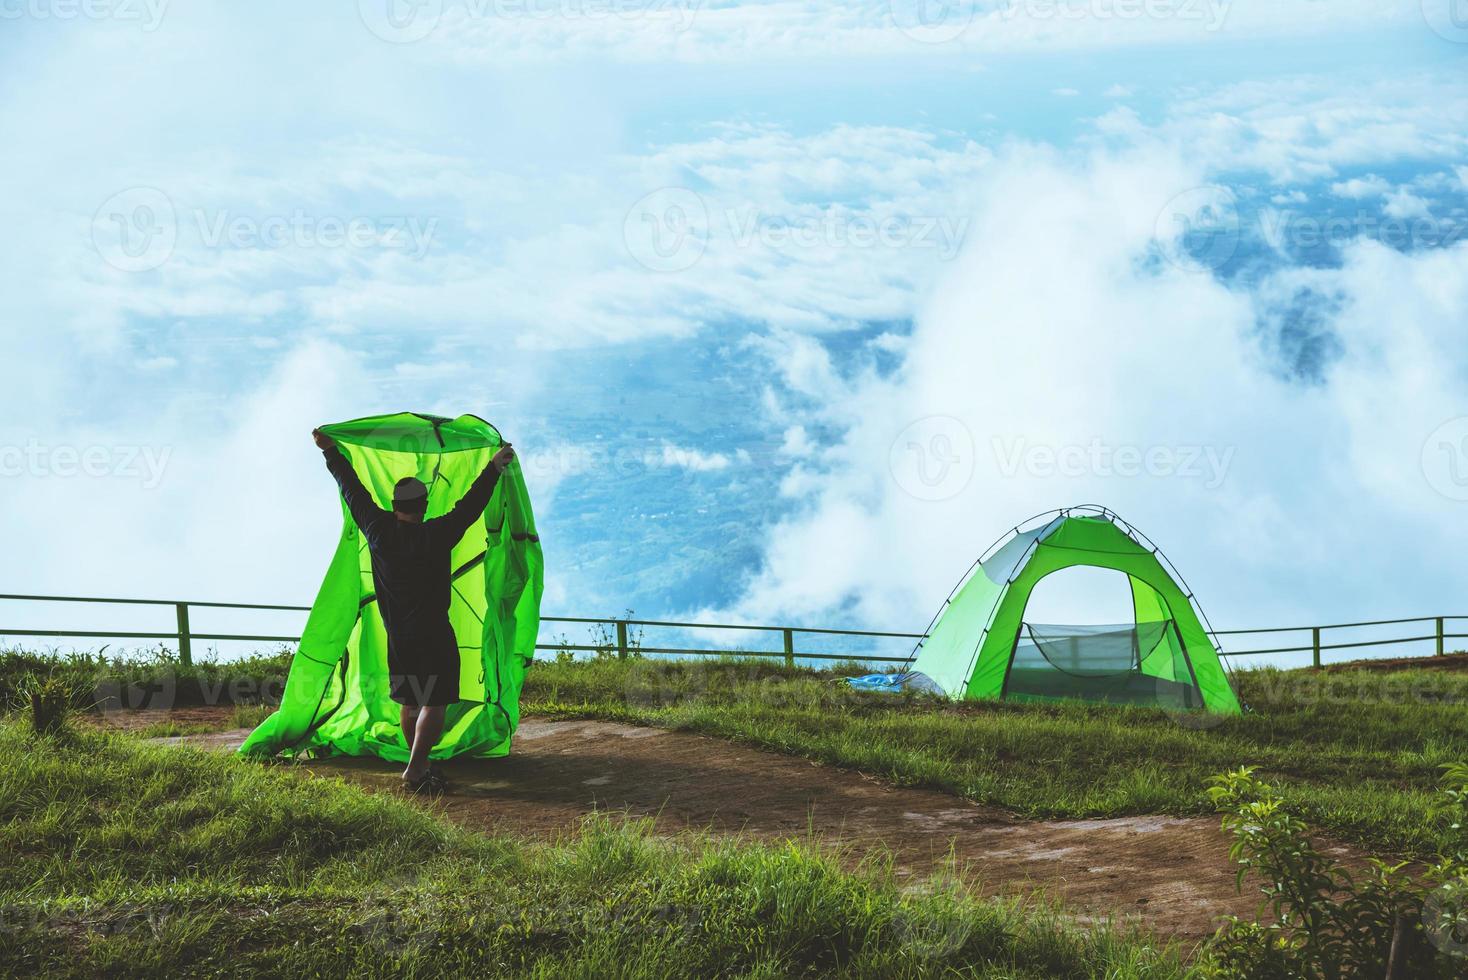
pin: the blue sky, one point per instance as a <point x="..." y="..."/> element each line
<point x="791" y="307"/>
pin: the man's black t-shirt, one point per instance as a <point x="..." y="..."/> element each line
<point x="412" y="576"/>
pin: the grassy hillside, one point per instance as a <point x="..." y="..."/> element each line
<point x="1358" y="751"/>
<point x="122" y="859"/>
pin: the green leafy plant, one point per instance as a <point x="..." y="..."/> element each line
<point x="1326" y="922"/>
<point x="49" y="697"/>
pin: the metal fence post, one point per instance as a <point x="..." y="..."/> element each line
<point x="1441" y="636"/>
<point x="185" y="642"/>
<point x="1315" y="635"/>
<point x="789" y="646"/>
<point x="621" y="639"/>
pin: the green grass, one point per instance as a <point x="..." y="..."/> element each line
<point x="145" y="679"/>
<point x="123" y="859"/>
<point x="1359" y="753"/>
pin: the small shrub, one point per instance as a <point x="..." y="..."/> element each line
<point x="1330" y="923"/>
<point x="50" y="703"/>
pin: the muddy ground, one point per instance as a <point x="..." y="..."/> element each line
<point x="1172" y="874"/>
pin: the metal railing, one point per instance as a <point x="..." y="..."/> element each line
<point x="1317" y="646"/>
<point x="624" y="644"/>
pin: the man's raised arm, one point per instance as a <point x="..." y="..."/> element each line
<point x="476" y="498"/>
<point x="363" y="508"/>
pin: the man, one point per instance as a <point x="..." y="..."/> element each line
<point x="411" y="572"/>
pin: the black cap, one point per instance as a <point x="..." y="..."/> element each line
<point x="409" y="494"/>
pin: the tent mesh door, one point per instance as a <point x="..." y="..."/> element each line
<point x="1142" y="664"/>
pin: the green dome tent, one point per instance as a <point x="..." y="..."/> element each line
<point x="981" y="646"/>
<point x="336" y="696"/>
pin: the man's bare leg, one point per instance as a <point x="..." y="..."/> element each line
<point x="425" y="737"/>
<point x="409" y="718"/>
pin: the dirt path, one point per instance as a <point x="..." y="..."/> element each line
<point x="1173" y="874"/>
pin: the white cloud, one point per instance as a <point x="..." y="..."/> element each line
<point x="796" y="442"/>
<point x="1403" y="204"/>
<point x="1309" y="127"/>
<point x="1052" y="335"/>
<point x="1118" y="92"/>
<point x="770" y="30"/>
<point x="684" y="458"/>
<point x="1358" y="188"/>
<point x="1067" y="93"/>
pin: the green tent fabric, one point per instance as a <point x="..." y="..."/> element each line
<point x="336" y="696"/>
<point x="980" y="646"/>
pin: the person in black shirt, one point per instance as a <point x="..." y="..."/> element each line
<point x="411" y="573"/>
